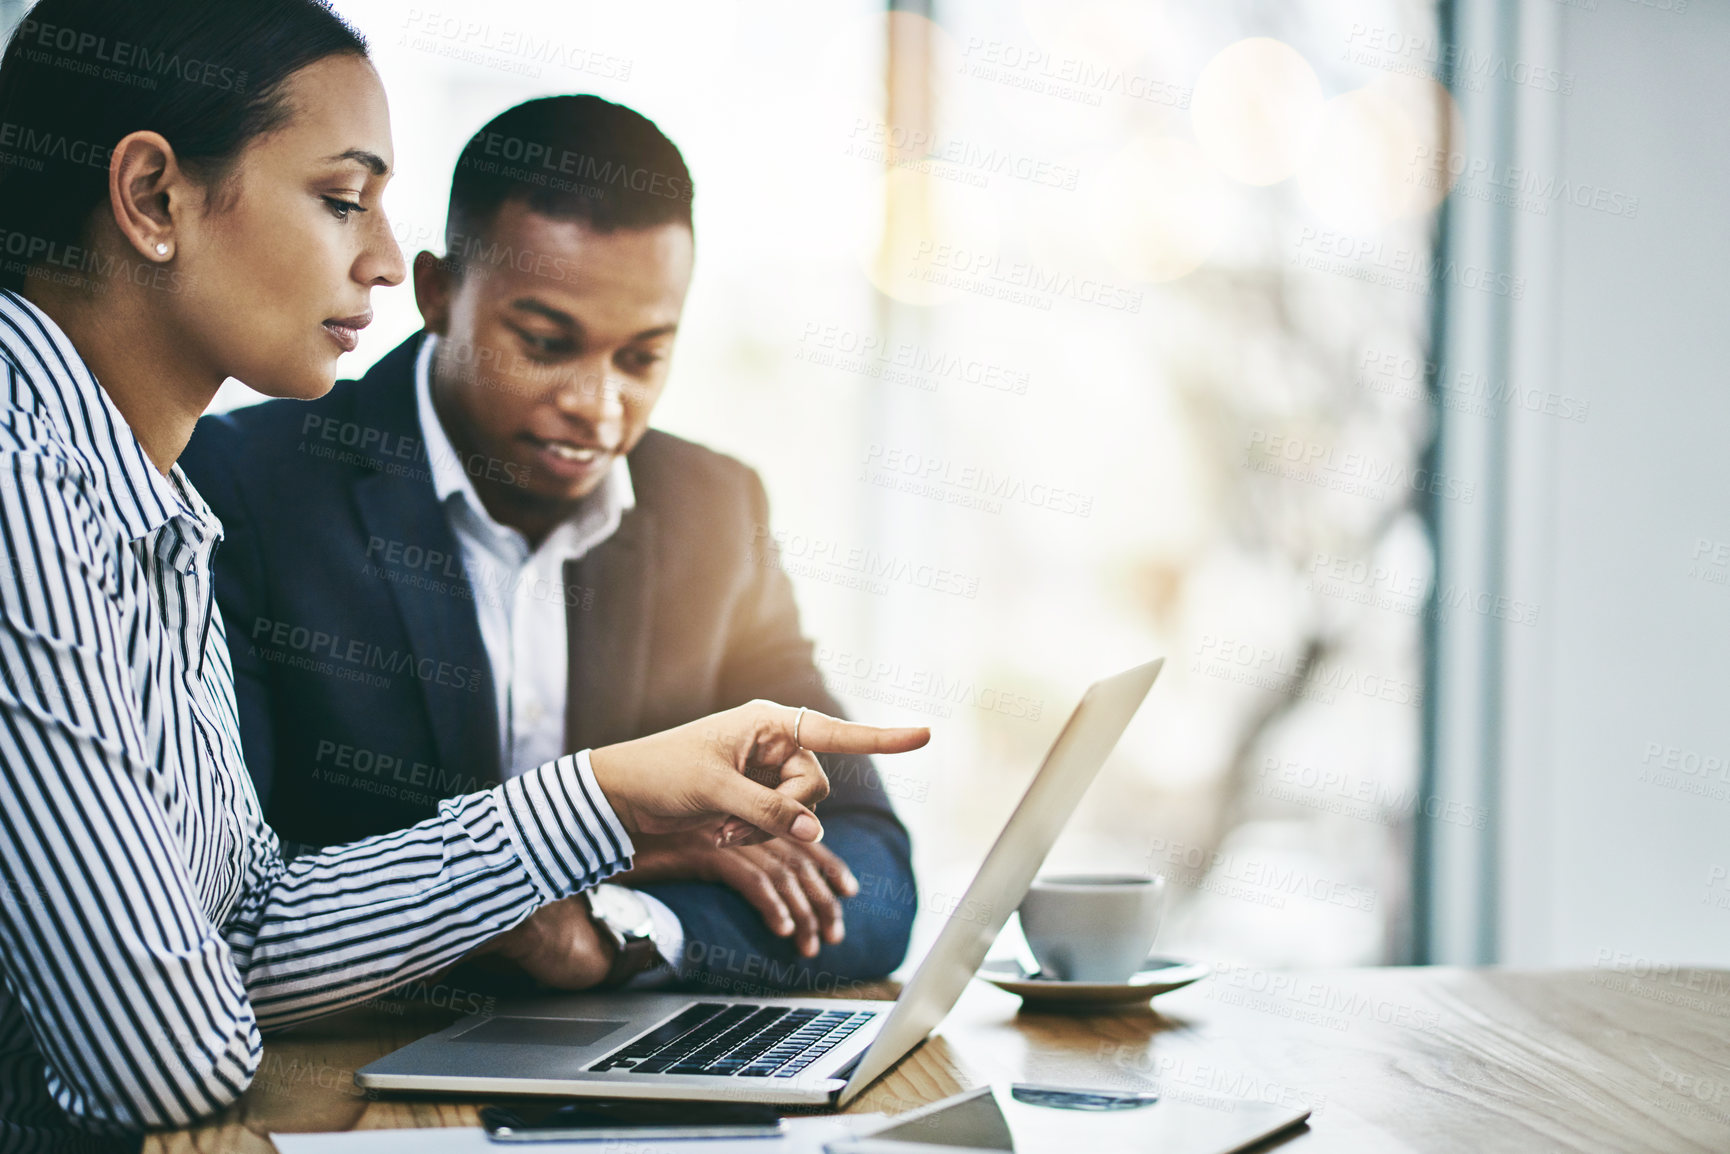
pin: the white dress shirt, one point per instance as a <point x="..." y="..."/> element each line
<point x="521" y="598"/>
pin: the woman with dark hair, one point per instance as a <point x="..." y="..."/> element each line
<point x="190" y="190"/>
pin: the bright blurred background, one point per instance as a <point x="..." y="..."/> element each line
<point x="1031" y="317"/>
<point x="1363" y="359"/>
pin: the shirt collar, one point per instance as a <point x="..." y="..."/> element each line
<point x="606" y="505"/>
<point x="97" y="435"/>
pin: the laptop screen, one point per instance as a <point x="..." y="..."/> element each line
<point x="1074" y="760"/>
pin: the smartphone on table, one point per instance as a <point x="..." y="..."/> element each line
<point x="606" y="1120"/>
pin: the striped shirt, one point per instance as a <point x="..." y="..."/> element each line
<point x="149" y="928"/>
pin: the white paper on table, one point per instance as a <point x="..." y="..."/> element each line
<point x="802" y="1136"/>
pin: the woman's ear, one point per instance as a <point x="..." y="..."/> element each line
<point x="146" y="189"/>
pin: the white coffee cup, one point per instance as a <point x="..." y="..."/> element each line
<point x="1092" y="927"/>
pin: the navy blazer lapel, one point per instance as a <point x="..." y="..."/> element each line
<point x="608" y="629"/>
<point x="397" y="504"/>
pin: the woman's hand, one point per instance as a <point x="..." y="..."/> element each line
<point x="796" y="887"/>
<point x="737" y="777"/>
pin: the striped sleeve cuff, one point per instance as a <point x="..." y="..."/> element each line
<point x="562" y="828"/>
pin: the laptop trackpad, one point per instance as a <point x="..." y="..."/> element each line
<point x="541" y="1031"/>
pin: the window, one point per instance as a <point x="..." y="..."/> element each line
<point x="1064" y="335"/>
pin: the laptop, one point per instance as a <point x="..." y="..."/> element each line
<point x="784" y="1051"/>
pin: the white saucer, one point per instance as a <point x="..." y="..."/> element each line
<point x="1158" y="976"/>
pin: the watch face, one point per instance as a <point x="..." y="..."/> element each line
<point x="621" y="909"/>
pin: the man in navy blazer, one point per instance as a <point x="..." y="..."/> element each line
<point x="478" y="556"/>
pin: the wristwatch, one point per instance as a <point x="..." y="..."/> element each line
<point x="624" y="917"/>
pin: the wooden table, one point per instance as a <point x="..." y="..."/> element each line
<point x="1627" y="1057"/>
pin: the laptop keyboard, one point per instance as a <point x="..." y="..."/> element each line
<point x="742" y="1041"/>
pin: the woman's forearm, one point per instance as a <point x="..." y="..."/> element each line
<point x="338" y="927"/>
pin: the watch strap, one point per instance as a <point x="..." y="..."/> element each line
<point x="632" y="957"/>
<point x="633" y="953"/>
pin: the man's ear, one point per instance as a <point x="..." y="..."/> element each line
<point x="434" y="282"/>
<point x="146" y="191"/>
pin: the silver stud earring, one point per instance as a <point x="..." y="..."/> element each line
<point x="161" y="249"/>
